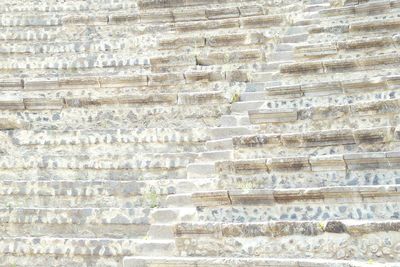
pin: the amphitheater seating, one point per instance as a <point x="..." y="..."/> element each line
<point x="199" y="133"/>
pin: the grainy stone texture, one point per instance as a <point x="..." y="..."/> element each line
<point x="199" y="133"/>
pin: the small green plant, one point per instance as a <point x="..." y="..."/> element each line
<point x="321" y="225"/>
<point x="153" y="200"/>
<point x="235" y="98"/>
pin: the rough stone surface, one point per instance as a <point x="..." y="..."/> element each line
<point x="200" y="133"/>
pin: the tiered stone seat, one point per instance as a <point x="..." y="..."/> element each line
<point x="198" y="133"/>
<point x="314" y="149"/>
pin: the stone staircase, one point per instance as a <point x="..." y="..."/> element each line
<point x="199" y="132"/>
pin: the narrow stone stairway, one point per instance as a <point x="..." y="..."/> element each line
<point x="168" y="133"/>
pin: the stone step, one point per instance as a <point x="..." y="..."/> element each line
<point x="124" y="117"/>
<point x="160" y="99"/>
<point x="358" y="115"/>
<point x="137" y="81"/>
<point x="315" y="163"/>
<point x="95" y="193"/>
<point x="75" y="222"/>
<point x="338" y="48"/>
<point x="341" y="65"/>
<point x="110" y="162"/>
<point x="74" y="61"/>
<point x="325" y="203"/>
<point x="327" y="170"/>
<point x="220" y="40"/>
<point x="353" y="90"/>
<point x="388" y="23"/>
<point x="153" y="4"/>
<point x="96" y="248"/>
<point x="361" y="9"/>
<point x="75" y="6"/>
<point x="325" y="142"/>
<point x="29" y="48"/>
<point x="243" y="261"/>
<point x="113" y="136"/>
<point x="336" y="240"/>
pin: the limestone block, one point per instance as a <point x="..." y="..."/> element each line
<point x="314" y="51"/>
<point x="12" y="104"/>
<point x="376" y="107"/>
<point x="147" y="99"/>
<point x="123" y="18"/>
<point x="340" y="65"/>
<point x="12" y="84"/>
<point x="363" y="85"/>
<point x="10" y="123"/>
<point x="256" y="140"/>
<point x="380" y="60"/>
<point x="247" y="11"/>
<point x="85" y="20"/>
<point x="198" y="229"/>
<point x="327" y="163"/>
<point x="182" y="60"/>
<point x="222" y="13"/>
<point x="289" y="164"/>
<point x="342" y="11"/>
<point x="200" y="98"/>
<point x="166" y="79"/>
<point x="260" y="21"/>
<point x="373" y="8"/>
<point x="252" y="197"/>
<point x="159" y="17"/>
<point x="323" y="113"/>
<point x="79" y="82"/>
<point x="206" y="25"/>
<point x="364" y="43"/>
<point x="123" y="81"/>
<point x="189" y="15"/>
<point x="229" y="58"/>
<point x="250" y="165"/>
<point x="319" y="89"/>
<point x="272" y="115"/>
<point x="153" y="4"/>
<point x="374" y="135"/>
<point x="211" y="198"/>
<point x="362" y="161"/>
<point x="43" y="104"/>
<point x="227" y="40"/>
<point x="203" y="76"/>
<point x="176" y="43"/>
<point x="40" y="84"/>
<point x="285" y="91"/>
<point x="393" y="159"/>
<point x="372" y="25"/>
<point x="310" y="66"/>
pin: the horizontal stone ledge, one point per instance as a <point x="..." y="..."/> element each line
<point x="124" y="136"/>
<point x="335" y="87"/>
<point x="283" y="228"/>
<point x="266" y="115"/>
<point x="100" y="247"/>
<point x="242" y="261"/>
<point x="325" y="66"/>
<point x="319" y="138"/>
<point x="281" y="196"/>
<point x="374" y="25"/>
<point x="337" y="162"/>
<point x="162" y="79"/>
<point x="77" y="216"/>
